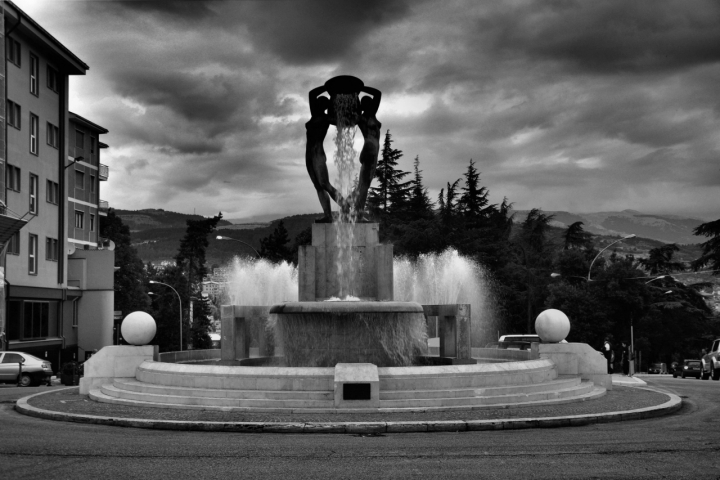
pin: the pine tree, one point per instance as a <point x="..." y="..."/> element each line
<point x="449" y="205"/>
<point x="191" y="259"/>
<point x="711" y="249"/>
<point x="387" y="175"/>
<point x="130" y="284"/>
<point x="420" y="204"/>
<point x="474" y="199"/>
<point x="660" y="261"/>
<point x="274" y="246"/>
<point x="576" y="237"/>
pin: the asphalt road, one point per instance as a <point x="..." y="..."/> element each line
<point x="683" y="445"/>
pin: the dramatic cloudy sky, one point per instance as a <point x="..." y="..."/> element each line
<point x="564" y="105"/>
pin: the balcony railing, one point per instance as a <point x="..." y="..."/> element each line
<point x="103" y="172"/>
<point x="103" y="207"/>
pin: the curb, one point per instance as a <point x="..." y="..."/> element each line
<point x="672" y="405"/>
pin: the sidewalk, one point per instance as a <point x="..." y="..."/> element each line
<point x="630" y="399"/>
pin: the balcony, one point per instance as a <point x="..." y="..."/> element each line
<point x="10" y="223"/>
<point x="103" y="172"/>
<point x="103" y="207"/>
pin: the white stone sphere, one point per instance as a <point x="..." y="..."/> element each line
<point x="138" y="328"/>
<point x="552" y="326"/>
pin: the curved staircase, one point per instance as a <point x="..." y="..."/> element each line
<point x="311" y="390"/>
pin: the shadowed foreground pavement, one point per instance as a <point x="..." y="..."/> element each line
<point x="681" y="445"/>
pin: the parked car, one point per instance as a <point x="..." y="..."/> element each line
<point x="711" y="362"/>
<point x="689" y="368"/>
<point x="516" y="342"/>
<point x="34" y="370"/>
<point x="658" y="368"/>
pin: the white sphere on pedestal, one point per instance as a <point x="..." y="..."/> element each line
<point x="138" y="328"/>
<point x="552" y="326"/>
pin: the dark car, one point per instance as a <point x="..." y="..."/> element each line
<point x="689" y="368"/>
<point x="659" y="368"/>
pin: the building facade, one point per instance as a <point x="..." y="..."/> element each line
<point x="58" y="272"/>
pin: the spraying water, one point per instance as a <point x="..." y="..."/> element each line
<point x="432" y="279"/>
<point x="447" y="278"/>
<point x="259" y="282"/>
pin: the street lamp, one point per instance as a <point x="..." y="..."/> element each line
<point x="220" y="237"/>
<point x="656" y="278"/>
<point x="601" y="251"/>
<point x="179" y="302"/>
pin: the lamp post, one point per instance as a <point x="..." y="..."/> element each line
<point x="601" y="251"/>
<point x="180" y="304"/>
<point x="220" y="237"/>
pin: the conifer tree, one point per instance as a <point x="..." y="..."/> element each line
<point x="474" y="197"/>
<point x="387" y="175"/>
<point x="191" y="260"/>
<point x="420" y="204"/>
<point x="274" y="247"/>
<point x="130" y="283"/>
<point x="711" y="248"/>
<point x="449" y="210"/>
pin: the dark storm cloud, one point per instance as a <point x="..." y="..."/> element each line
<point x="184" y="10"/>
<point x="592" y="103"/>
<point x="612" y="36"/>
<point x="312" y="31"/>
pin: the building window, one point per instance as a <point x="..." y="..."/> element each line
<point x="33" y="194"/>
<point x="12" y="178"/>
<point x="53" y="192"/>
<point x="53" y="135"/>
<point x="34" y="130"/>
<point x="79" y="219"/>
<point x="36" y="319"/>
<point x="13" y="51"/>
<point x="79" y="139"/>
<point x="75" y="312"/>
<point x="92" y="183"/>
<point x="32" y="254"/>
<point x="53" y="79"/>
<point x="92" y="222"/>
<point x="14" y="244"/>
<point x="93" y="144"/>
<point x="79" y="180"/>
<point x="34" y="74"/>
<point x="13" y="114"/>
<point x="51" y="249"/>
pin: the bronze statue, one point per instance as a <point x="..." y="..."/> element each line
<point x="322" y="111"/>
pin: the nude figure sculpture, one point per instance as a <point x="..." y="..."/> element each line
<point x="322" y="115"/>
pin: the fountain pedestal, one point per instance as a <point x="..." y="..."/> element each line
<point x="372" y="279"/>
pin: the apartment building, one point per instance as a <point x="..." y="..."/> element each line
<point x="58" y="272"/>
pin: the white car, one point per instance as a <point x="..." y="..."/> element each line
<point x="34" y="370"/>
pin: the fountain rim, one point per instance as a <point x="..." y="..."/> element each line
<point x="347" y="307"/>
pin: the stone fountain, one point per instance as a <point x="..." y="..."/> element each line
<point x="346" y="345"/>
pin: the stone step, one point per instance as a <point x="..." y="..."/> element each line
<point x="507" y="399"/>
<point x="142" y="387"/>
<point x="114" y="391"/>
<point x="236" y="378"/>
<point x="561" y="383"/>
<point x="431" y="382"/>
<point x="99" y="396"/>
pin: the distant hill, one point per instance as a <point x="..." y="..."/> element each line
<point x="663" y="228"/>
<point x="153" y="218"/>
<point x="156" y="233"/>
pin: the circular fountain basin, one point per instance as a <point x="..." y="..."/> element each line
<point x="323" y="334"/>
<point x="347" y="307"/>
